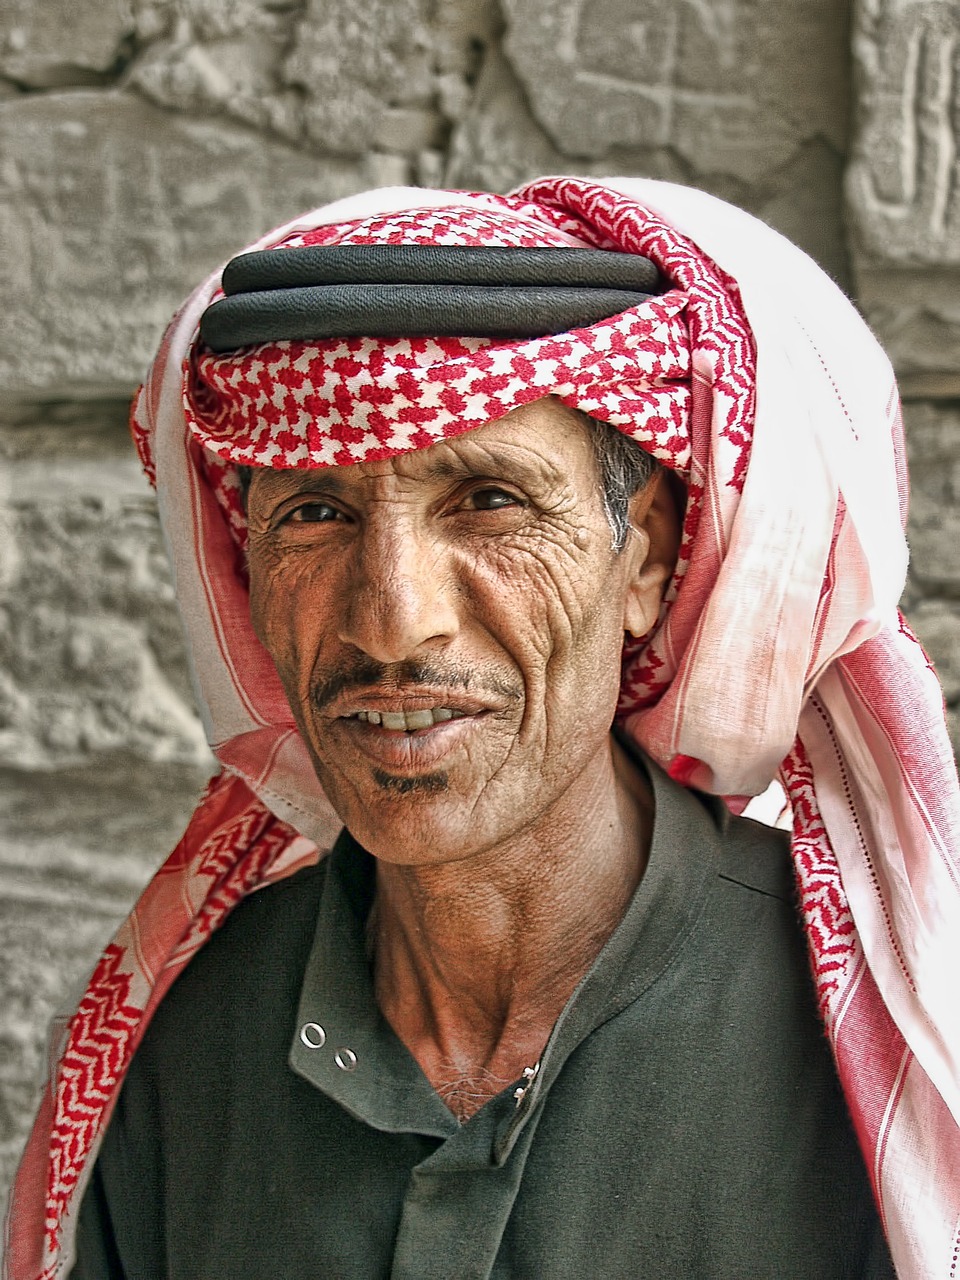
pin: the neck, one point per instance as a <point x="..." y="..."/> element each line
<point x="475" y="960"/>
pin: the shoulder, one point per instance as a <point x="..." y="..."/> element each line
<point x="752" y="865"/>
<point x="757" y="858"/>
<point x="283" y="913"/>
<point x="251" y="965"/>
<point x="741" y="874"/>
<point x="741" y="852"/>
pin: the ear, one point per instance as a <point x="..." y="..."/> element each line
<point x="653" y="545"/>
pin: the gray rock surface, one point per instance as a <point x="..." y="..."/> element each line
<point x="718" y="83"/>
<point x="215" y="59"/>
<point x="712" y="95"/>
<point x="113" y="210"/>
<point x="901" y="174"/>
<point x="902" y="185"/>
<point x="91" y="658"/>
<point x="350" y="67"/>
<point x="933" y="442"/>
<point x="43" y="46"/>
<point x="937" y="624"/>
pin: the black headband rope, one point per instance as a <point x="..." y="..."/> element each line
<point x="384" y="291"/>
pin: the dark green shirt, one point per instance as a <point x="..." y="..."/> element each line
<point x="685" y="1119"/>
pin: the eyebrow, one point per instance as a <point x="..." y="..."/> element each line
<point x="443" y="468"/>
<point x="531" y="468"/>
<point x="450" y="469"/>
<point x="530" y="464"/>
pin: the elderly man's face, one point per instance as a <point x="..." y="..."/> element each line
<point x="448" y="627"/>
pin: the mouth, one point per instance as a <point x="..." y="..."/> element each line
<point x="408" y="721"/>
<point x="408" y="732"/>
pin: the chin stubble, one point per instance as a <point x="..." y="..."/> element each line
<point x="430" y="784"/>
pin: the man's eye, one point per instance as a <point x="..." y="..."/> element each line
<point x="494" y="499"/>
<point x="313" y="513"/>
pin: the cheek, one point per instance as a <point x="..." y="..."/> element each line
<point x="523" y="595"/>
<point x="556" y="607"/>
<point x="260" y="576"/>
<point x="280" y="609"/>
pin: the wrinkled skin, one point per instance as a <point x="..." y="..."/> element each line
<point x="476" y="576"/>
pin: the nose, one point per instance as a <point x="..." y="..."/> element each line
<point x="400" y="596"/>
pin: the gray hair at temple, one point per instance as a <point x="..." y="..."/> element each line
<point x="623" y="465"/>
<point x="624" y="469"/>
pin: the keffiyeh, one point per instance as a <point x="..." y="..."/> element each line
<point x="779" y="651"/>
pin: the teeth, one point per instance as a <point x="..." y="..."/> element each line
<point x="410" y="720"/>
<point x="418" y="719"/>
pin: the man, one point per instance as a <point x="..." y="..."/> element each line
<point x="542" y="1010"/>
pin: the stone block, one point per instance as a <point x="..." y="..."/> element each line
<point x="352" y="62"/>
<point x="152" y="20"/>
<point x="384" y="169"/>
<point x="497" y="143"/>
<point x="219" y="19"/>
<point x="232" y="70"/>
<point x="901" y="178"/>
<point x="806" y="206"/>
<point x="186" y="77"/>
<point x="461" y="30"/>
<point x="429" y="167"/>
<point x="91" y="653"/>
<point x="915" y="312"/>
<point x="330" y="74"/>
<point x="720" y="84"/>
<point x="54" y="43"/>
<point x="933" y="445"/>
<point x="76" y="848"/>
<point x="407" y="129"/>
<point x="902" y="191"/>
<point x="113" y="211"/>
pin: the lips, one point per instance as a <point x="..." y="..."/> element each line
<point x="407" y="740"/>
<point x="408" y="707"/>
<point x="407" y="729"/>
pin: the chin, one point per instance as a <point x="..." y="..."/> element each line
<point x="415" y="821"/>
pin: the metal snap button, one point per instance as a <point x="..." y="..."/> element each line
<point x="529" y="1074"/>
<point x="313" y="1035"/>
<point x="345" y="1059"/>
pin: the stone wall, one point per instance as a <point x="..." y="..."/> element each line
<point x="142" y="141"/>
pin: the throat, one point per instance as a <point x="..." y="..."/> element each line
<point x="474" y="960"/>
<point x="464" y="1093"/>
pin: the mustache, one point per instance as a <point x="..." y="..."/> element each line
<point x="365" y="673"/>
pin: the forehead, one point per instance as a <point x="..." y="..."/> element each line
<point x="544" y="444"/>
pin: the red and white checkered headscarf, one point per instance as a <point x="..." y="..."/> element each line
<point x="779" y="652"/>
